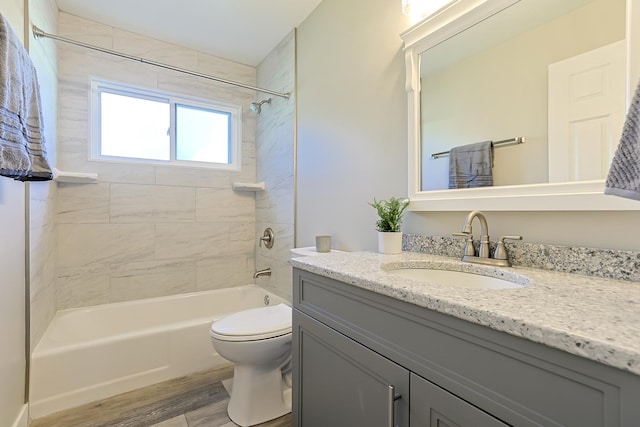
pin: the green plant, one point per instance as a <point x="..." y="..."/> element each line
<point x="390" y="213"/>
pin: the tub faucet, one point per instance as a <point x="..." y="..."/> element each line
<point x="263" y="272"/>
<point x="500" y="257"/>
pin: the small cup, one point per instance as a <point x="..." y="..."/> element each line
<point x="323" y="243"/>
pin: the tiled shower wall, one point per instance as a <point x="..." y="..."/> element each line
<point x="275" y="152"/>
<point x="145" y="230"/>
<point x="42" y="195"/>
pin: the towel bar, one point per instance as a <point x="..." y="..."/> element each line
<point x="510" y="141"/>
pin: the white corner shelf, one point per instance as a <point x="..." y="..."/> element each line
<point x="249" y="186"/>
<point x="74" y="177"/>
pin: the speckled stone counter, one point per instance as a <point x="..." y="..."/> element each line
<point x="588" y="316"/>
<point x="606" y="263"/>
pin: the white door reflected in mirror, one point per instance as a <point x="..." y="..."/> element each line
<point x="586" y="113"/>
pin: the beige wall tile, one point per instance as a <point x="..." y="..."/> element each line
<point x="85" y="244"/>
<point x="278" y="282"/>
<point x="151" y="221"/>
<point x="226" y="69"/>
<point x="275" y="204"/>
<point x="216" y="205"/>
<point x="152" y="203"/>
<point x="152" y="279"/>
<point x="81" y="64"/>
<point x="192" y="177"/>
<point x="73" y="114"/>
<point x="191" y="240"/>
<point x="275" y="149"/>
<point x="76" y="98"/>
<point x="82" y="286"/>
<point x="249" y="123"/>
<point x="90" y="32"/>
<point x="154" y="50"/>
<point x="42" y="197"/>
<point x="122" y="172"/>
<point x="224" y="272"/>
<point x="43" y="258"/>
<point x="82" y="203"/>
<point x="42" y="310"/>
<point x="194" y="86"/>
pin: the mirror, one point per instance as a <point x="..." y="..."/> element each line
<point x="495" y="87"/>
<point x="502" y="69"/>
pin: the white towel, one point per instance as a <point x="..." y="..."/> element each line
<point x="470" y="165"/>
<point x="22" y="147"/>
<point x="624" y="174"/>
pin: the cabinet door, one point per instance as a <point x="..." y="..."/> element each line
<point x="432" y="406"/>
<point x="338" y="382"/>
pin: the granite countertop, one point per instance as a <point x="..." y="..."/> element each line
<point x="592" y="317"/>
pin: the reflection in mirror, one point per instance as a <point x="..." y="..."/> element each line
<point x="547" y="70"/>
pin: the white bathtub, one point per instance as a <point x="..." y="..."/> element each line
<point x="91" y="353"/>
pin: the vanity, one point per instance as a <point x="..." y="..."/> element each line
<point x="372" y="348"/>
<point x="375" y="347"/>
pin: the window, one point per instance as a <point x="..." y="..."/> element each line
<point x="131" y="124"/>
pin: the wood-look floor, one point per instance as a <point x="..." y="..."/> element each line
<point x="197" y="400"/>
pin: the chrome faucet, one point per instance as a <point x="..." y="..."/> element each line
<point x="263" y="272"/>
<point x="484" y="231"/>
<point x="500" y="256"/>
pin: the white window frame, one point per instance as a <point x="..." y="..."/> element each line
<point x="99" y="85"/>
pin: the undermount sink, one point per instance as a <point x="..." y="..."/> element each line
<point x="461" y="279"/>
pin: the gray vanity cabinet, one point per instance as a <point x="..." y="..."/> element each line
<point x="343" y="383"/>
<point x="432" y="406"/>
<point x="350" y="345"/>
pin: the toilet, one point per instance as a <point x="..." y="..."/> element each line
<point x="258" y="342"/>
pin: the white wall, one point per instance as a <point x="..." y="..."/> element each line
<point x="12" y="281"/>
<point x="12" y="300"/>
<point x="351" y="119"/>
<point x="352" y="140"/>
<point x="146" y="230"/>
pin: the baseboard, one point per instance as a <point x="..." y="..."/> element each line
<point x="23" y="417"/>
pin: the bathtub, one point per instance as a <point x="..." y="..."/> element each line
<point x="91" y="353"/>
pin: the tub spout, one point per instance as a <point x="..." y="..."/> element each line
<point x="263" y="272"/>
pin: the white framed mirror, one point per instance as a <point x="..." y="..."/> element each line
<point x="452" y="102"/>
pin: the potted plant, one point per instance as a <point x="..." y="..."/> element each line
<point x="388" y="225"/>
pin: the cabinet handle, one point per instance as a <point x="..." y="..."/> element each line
<point x="392" y="397"/>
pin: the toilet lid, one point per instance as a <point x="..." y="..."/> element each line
<point x="272" y="321"/>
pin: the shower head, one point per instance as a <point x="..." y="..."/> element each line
<point x="256" y="107"/>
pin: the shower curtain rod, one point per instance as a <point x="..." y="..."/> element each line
<point x="37" y="33"/>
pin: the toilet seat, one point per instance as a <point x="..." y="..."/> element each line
<point x="253" y="324"/>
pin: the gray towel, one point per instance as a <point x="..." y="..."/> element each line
<point x="22" y="149"/>
<point x="470" y="165"/>
<point x="624" y="174"/>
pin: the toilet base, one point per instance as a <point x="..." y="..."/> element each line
<point x="258" y="395"/>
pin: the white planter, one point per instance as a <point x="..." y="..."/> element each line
<point x="390" y="242"/>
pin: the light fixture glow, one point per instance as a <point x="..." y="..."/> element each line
<point x="418" y="9"/>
